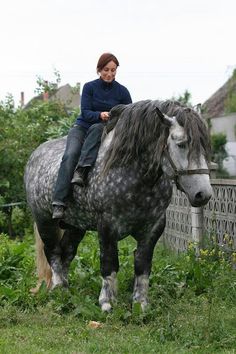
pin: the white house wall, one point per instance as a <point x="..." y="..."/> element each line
<point x="227" y="125"/>
<point x="230" y="161"/>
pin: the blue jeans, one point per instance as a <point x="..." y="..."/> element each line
<point x="81" y="151"/>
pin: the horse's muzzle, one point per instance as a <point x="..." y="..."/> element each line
<point x="201" y="198"/>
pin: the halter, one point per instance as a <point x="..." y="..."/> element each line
<point x="178" y="173"/>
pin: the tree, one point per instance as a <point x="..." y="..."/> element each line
<point x="184" y="98"/>
<point x="21" y="131"/>
<point x="48" y="86"/>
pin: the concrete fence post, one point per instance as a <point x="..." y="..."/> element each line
<point x="197" y="225"/>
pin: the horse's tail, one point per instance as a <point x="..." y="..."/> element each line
<point x="43" y="269"/>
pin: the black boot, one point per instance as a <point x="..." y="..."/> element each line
<point x="58" y="211"/>
<point x="80" y="176"/>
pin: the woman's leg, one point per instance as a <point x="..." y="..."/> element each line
<point x="91" y="145"/>
<point x="70" y="158"/>
<point x="88" y="154"/>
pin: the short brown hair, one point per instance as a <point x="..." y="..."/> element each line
<point x="104" y="59"/>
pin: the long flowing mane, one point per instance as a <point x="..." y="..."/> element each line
<point x="139" y="132"/>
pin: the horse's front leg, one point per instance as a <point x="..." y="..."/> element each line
<point x="69" y="244"/>
<point x="143" y="264"/>
<point x="109" y="264"/>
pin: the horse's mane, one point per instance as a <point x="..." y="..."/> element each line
<point x="140" y="132"/>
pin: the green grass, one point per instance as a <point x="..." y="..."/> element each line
<point x="192" y="304"/>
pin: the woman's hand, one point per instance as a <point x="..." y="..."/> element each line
<point x="104" y="116"/>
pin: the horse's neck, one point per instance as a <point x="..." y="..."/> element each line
<point x="140" y="167"/>
<point x="106" y="141"/>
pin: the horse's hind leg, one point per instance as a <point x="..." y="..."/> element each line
<point x="109" y="264"/>
<point x="51" y="235"/>
<point x="43" y="268"/>
<point x="55" y="251"/>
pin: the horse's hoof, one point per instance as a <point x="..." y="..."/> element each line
<point x="63" y="284"/>
<point x="143" y="305"/>
<point x="35" y="290"/>
<point x="106" y="307"/>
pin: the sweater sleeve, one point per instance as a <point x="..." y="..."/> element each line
<point x="86" y="105"/>
<point x="126" y="98"/>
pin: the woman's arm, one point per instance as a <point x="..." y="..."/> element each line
<point x="126" y="98"/>
<point x="86" y="105"/>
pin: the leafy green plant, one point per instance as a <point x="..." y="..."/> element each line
<point x="48" y="86"/>
<point x="219" y="153"/>
<point x="21" y="131"/>
<point x="184" y="98"/>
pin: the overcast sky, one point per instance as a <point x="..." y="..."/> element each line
<point x="164" y="46"/>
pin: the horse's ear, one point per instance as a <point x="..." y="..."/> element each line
<point x="198" y="108"/>
<point x="164" y="118"/>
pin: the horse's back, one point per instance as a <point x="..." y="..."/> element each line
<point x="41" y="170"/>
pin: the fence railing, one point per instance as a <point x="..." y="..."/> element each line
<point x="186" y="224"/>
<point x="8" y="209"/>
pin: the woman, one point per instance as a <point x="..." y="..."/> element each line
<point x="84" y="138"/>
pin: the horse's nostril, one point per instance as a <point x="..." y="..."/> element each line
<point x="199" y="196"/>
<point x="202" y="197"/>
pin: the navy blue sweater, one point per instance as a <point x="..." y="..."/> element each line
<point x="100" y="96"/>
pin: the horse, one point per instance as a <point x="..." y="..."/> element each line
<point x="148" y="146"/>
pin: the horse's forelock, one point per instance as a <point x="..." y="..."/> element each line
<point x="194" y="125"/>
<point x="197" y="132"/>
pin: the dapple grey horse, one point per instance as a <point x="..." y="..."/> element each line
<point x="152" y="144"/>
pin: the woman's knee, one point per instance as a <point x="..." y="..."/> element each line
<point x="96" y="129"/>
<point x="70" y="156"/>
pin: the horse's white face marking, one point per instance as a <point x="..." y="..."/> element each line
<point x="178" y="146"/>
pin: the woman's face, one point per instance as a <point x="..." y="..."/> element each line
<point x="108" y="73"/>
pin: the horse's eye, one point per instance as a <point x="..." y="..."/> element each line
<point x="182" y="145"/>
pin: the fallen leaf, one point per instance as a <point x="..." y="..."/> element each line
<point x="94" y="324"/>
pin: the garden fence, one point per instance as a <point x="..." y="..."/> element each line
<point x="186" y="224"/>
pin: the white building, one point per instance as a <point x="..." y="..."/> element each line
<point x="216" y="109"/>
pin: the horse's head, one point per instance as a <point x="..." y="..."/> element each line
<point x="189" y="169"/>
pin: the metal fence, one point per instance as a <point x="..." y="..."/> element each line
<point x="186" y="224"/>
